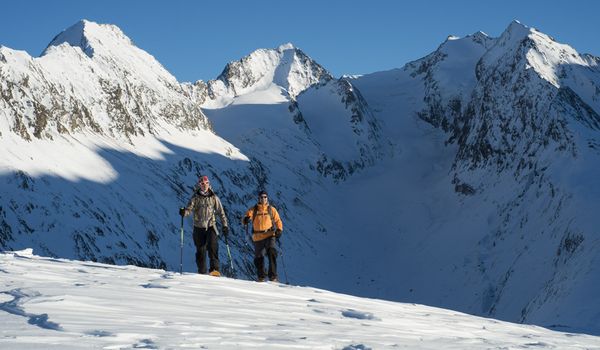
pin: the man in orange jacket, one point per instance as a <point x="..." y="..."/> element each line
<point x="266" y="229"/>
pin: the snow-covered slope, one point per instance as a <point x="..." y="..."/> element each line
<point x="91" y="78"/>
<point x="285" y="68"/>
<point x="108" y="193"/>
<point x="61" y="304"/>
<point x="100" y="146"/>
<point x="496" y="195"/>
<point x="284" y="91"/>
<point x="526" y="131"/>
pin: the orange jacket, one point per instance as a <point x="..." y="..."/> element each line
<point x="262" y="226"/>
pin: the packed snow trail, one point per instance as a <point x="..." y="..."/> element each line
<point x="61" y="304"/>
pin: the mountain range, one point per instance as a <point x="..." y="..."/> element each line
<point x="466" y="179"/>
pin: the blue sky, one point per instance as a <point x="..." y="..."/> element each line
<point x="195" y="39"/>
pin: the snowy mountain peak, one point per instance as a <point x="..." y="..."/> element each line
<point x="477" y="41"/>
<point x="534" y="49"/>
<point x="286" y="46"/>
<point x="91" y="77"/>
<point x="112" y="51"/>
<point x="517" y="28"/>
<point x="482" y="38"/>
<point x="286" y="66"/>
<point x="89" y="36"/>
<point x="449" y="72"/>
<point x="514" y="34"/>
<point x="286" y="69"/>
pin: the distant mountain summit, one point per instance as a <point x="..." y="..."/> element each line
<point x="91" y="78"/>
<point x="286" y="68"/>
<point x="521" y="112"/>
<point x="329" y="113"/>
<point x="530" y="91"/>
<point x="90" y="36"/>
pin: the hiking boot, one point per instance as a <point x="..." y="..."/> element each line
<point x="215" y="273"/>
<point x="261" y="279"/>
<point x="273" y="279"/>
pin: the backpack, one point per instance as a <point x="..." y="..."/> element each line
<point x="268" y="211"/>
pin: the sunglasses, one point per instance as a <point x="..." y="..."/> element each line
<point x="263" y="197"/>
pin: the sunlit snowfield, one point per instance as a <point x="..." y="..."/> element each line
<point x="50" y="303"/>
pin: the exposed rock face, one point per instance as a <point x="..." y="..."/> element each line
<point x="286" y="67"/>
<point x="91" y="78"/>
<point x="356" y="128"/>
<point x="522" y="111"/>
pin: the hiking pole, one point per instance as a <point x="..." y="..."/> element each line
<point x="287" y="281"/>
<point x="181" y="249"/>
<point x="229" y="254"/>
<point x="248" y="236"/>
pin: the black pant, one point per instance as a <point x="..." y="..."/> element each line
<point x="206" y="238"/>
<point x="260" y="247"/>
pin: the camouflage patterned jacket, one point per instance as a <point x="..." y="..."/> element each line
<point x="204" y="208"/>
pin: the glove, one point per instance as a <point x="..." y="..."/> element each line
<point x="246" y="220"/>
<point x="278" y="233"/>
<point x="226" y="230"/>
<point x="182" y="211"/>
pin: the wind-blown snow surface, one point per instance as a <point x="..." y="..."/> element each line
<point x="60" y="304"/>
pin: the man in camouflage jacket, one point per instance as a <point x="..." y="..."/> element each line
<point x="204" y="204"/>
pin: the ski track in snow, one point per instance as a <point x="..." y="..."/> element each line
<point x="62" y="304"/>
